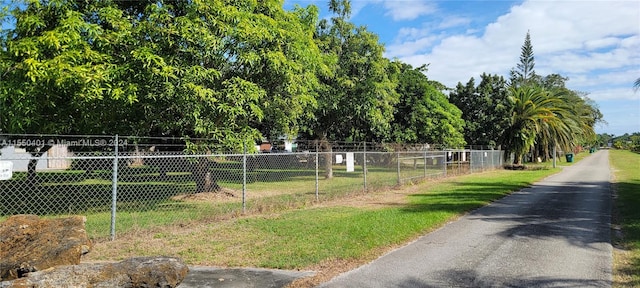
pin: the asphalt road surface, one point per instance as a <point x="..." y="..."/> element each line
<point x="553" y="234"/>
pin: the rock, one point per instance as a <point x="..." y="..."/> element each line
<point x="46" y="253"/>
<point x="134" y="272"/>
<point x="28" y="244"/>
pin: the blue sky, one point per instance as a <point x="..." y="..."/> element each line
<point x="596" y="43"/>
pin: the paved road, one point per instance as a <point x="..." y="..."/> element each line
<point x="553" y="234"/>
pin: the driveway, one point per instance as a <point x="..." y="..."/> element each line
<point x="553" y="234"/>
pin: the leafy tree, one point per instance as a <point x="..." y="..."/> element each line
<point x="424" y="114"/>
<point x="584" y="115"/>
<point x="465" y="98"/>
<point x="51" y="72"/>
<point x="544" y="118"/>
<point x="218" y="70"/>
<point x="283" y="60"/>
<point x="485" y="109"/>
<point x="357" y="94"/>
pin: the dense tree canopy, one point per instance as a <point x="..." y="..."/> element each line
<point x="424" y="114"/>
<point x="50" y="70"/>
<point x="485" y="109"/>
<point x="356" y="97"/>
<point x="215" y="69"/>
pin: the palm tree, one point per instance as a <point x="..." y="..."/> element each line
<point x="537" y="115"/>
<point x="636" y="85"/>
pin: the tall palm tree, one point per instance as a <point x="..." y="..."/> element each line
<point x="636" y="85"/>
<point x="570" y="126"/>
<point x="537" y="115"/>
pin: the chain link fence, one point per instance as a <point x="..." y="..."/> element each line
<point x="125" y="183"/>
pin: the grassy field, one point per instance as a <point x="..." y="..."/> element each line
<point x="626" y="166"/>
<point x="328" y="237"/>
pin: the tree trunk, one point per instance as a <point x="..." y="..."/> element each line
<point x="31" y="169"/>
<point x="36" y="153"/>
<point x="545" y="153"/>
<point x="517" y="159"/>
<point x="328" y="158"/>
<point x="205" y="180"/>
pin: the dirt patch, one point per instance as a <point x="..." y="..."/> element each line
<point x="225" y="195"/>
<point x="222" y="195"/>
<point x="325" y="271"/>
<point x="391" y="197"/>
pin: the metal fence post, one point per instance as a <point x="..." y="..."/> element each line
<point x="398" y="157"/>
<point x="114" y="190"/>
<point x="317" y="184"/>
<point x="444" y="162"/>
<point x="364" y="166"/>
<point x="244" y="176"/>
<point x="424" y="164"/>
<point x="493" y="155"/>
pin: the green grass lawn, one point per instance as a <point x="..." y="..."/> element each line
<point x="626" y="166"/>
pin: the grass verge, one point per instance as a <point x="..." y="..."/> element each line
<point x="331" y="237"/>
<point x="626" y="165"/>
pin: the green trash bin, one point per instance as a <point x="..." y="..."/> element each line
<point x="592" y="150"/>
<point x="569" y="157"/>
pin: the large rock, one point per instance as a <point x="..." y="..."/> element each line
<point x="28" y="244"/>
<point x="134" y="272"/>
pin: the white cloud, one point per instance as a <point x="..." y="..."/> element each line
<point x="601" y="43"/>
<point x="412" y="33"/>
<point x="408" y="10"/>
<point x="574" y="61"/>
<point x="453" y="21"/>
<point x="622" y="79"/>
<point x="356" y="6"/>
<point x="398" y="10"/>
<point x="625" y="93"/>
<point x="410" y="47"/>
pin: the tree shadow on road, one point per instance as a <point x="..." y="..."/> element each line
<point x="562" y="210"/>
<point x="470" y="278"/>
<point x="576" y="212"/>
